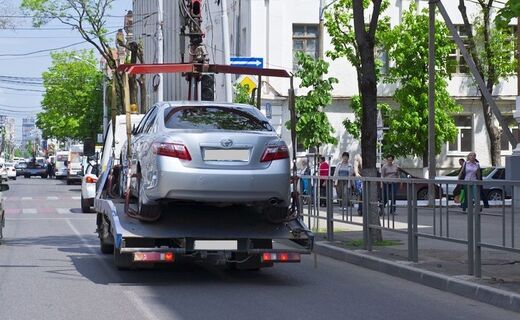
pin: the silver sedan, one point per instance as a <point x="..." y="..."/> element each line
<point x="213" y="153"/>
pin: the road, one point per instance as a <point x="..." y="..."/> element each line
<point x="51" y="268"/>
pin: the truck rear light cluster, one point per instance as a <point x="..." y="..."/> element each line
<point x="275" y="152"/>
<point x="280" y="257"/>
<point x="90" y="179"/>
<point x="174" y="150"/>
<point x="154" y="257"/>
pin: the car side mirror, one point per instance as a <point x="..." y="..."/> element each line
<point x="4" y="187"/>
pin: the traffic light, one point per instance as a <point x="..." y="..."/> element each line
<point x="207" y="87"/>
<point x="196" y="6"/>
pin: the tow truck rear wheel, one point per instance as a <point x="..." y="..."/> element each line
<point x="104" y="232"/>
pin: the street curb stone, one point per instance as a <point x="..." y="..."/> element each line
<point x="497" y="297"/>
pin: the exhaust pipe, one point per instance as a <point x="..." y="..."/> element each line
<point x="274" y="201"/>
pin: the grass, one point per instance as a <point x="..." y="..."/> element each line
<point x="359" y="243"/>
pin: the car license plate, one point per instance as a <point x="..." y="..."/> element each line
<point x="216" y="245"/>
<point x="226" y="154"/>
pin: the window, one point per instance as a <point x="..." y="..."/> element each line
<point x="464" y="140"/>
<point x="456" y="62"/>
<point x="305" y="39"/>
<point x="513" y="126"/>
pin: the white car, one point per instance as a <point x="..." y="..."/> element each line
<point x="3" y="172"/>
<point x="88" y="186"/>
<point x="11" y="170"/>
<point x="3" y="187"/>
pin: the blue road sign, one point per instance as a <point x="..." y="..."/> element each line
<point x="250" y="62"/>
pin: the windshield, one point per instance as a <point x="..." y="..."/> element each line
<point x="214" y="118"/>
<point x="487" y="171"/>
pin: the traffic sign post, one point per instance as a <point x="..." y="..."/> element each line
<point x="268" y="111"/>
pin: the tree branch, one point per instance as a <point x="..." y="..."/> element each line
<point x="375" y="17"/>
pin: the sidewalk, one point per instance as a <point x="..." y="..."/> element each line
<point x="446" y="260"/>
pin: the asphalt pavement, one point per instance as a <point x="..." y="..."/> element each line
<point x="51" y="268"/>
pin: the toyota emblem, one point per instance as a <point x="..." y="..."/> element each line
<point x="226" y="143"/>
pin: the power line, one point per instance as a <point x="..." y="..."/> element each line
<point x="38" y="51"/>
<point x="20" y="89"/>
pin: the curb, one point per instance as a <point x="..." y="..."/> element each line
<point x="497" y="297"/>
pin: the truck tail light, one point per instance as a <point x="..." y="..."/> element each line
<point x="275" y="152"/>
<point x="154" y="257"/>
<point x="91" y="180"/>
<point x="175" y="150"/>
<point x="280" y="257"/>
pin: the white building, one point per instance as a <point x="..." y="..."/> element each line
<point x="275" y="29"/>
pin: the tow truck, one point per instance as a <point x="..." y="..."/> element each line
<point x="234" y="236"/>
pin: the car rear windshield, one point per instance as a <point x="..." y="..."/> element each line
<point x="213" y="118"/>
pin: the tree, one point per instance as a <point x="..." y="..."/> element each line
<point x="241" y="94"/>
<point x="313" y="128"/>
<point x="510" y="10"/>
<point x="408" y="124"/>
<point x="5" y="10"/>
<point x="492" y="50"/>
<point x="72" y="101"/>
<point x="357" y="42"/>
<point x="88" y="18"/>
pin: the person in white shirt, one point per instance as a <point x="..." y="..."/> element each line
<point x="343" y="187"/>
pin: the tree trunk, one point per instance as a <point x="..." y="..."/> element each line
<point x="493" y="133"/>
<point x="368" y="88"/>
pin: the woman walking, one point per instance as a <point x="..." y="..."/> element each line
<point x="343" y="187"/>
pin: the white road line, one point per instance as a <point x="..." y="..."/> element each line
<point x="26" y="198"/>
<point x="62" y="210"/>
<point x="141" y="306"/>
<point x="29" y="211"/>
<point x="76" y="198"/>
<point x="52" y="198"/>
<point x="138" y="303"/>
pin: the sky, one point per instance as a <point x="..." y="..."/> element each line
<point x="18" y="99"/>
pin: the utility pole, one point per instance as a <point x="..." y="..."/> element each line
<point x="431" y="102"/>
<point x="103" y="66"/>
<point x="160" y="53"/>
<point x="225" y="41"/>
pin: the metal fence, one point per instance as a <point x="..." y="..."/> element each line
<point x="349" y="200"/>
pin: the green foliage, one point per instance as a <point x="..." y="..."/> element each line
<point x="407" y="45"/>
<point x="241" y="94"/>
<point x="313" y="127"/>
<point x="339" y="23"/>
<point x="72" y="101"/>
<point x="498" y="60"/>
<point x="510" y="10"/>
<point x="353" y="127"/>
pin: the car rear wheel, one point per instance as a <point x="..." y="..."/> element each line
<point x="85" y="205"/>
<point x="422" y="194"/>
<point x="146" y="212"/>
<point x="495" y="195"/>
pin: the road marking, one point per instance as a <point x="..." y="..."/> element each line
<point x="29" y="211"/>
<point x="12" y="211"/>
<point x="26" y="198"/>
<point x="63" y="210"/>
<point x="138" y="303"/>
<point x="76" y="198"/>
<point x="141" y="305"/>
<point x="52" y="198"/>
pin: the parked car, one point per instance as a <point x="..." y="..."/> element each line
<point x="491" y="190"/>
<point x="88" y="186"/>
<point x="3" y="172"/>
<point x="215" y="153"/>
<point x="421" y="188"/>
<point x="3" y="187"/>
<point x="11" y="170"/>
<point x="20" y="168"/>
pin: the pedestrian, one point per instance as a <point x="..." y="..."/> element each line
<point x="471" y="171"/>
<point x="323" y="172"/>
<point x="461" y="162"/>
<point x="390" y="171"/>
<point x="344" y="187"/>
<point x="304" y="182"/>
<point x="358" y="184"/>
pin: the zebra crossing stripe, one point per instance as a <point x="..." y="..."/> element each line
<point x="29" y="211"/>
<point x="26" y="198"/>
<point x="63" y="210"/>
<point x="52" y="198"/>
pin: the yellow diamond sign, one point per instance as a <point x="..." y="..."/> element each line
<point x="248" y="82"/>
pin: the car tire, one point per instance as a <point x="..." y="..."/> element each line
<point x="27" y="177"/>
<point x="69" y="182"/>
<point x="106" y="248"/>
<point x="276" y="215"/>
<point x="422" y="194"/>
<point x="85" y="205"/>
<point x="495" y="195"/>
<point x="146" y="212"/>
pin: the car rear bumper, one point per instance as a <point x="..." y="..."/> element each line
<point x="222" y="186"/>
<point x="88" y="190"/>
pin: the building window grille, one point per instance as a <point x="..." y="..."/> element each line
<point x="305" y="39"/>
<point x="456" y="62"/>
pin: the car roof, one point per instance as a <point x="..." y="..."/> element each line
<point x="188" y="103"/>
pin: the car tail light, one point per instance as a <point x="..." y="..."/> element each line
<point x="280" y="257"/>
<point x="275" y="152"/>
<point x="175" y="150"/>
<point x="91" y="180"/>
